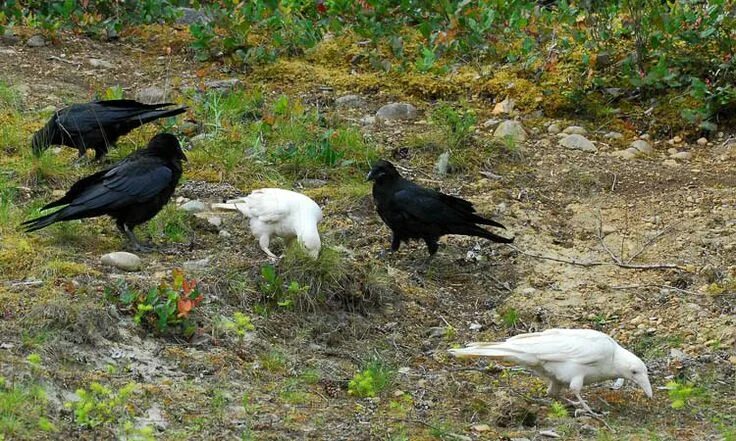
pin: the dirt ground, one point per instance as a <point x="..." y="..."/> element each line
<point x="641" y="249"/>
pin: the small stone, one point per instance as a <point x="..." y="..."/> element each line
<point x="608" y="229"/>
<point x="519" y="439"/>
<point x="481" y="428"/>
<point x="505" y="107"/>
<point x="398" y="393"/>
<point x="732" y="360"/>
<point x="554" y="129"/>
<point x="645" y="136"/>
<point x="100" y="64"/>
<point x="443" y="164"/>
<point x="510" y="129"/>
<point x="549" y="433"/>
<point x="475" y="326"/>
<point x="397" y="111"/>
<point x="311" y="183"/>
<point x="36" y="41"/>
<point x="194" y="206"/>
<point x="189" y="16"/>
<point x="702" y="141"/>
<point x="368" y="120"/>
<point x="222" y="85"/>
<point x="625" y="154"/>
<point x="577" y="142"/>
<point x="682" y="155"/>
<point x="122" y="260"/>
<point x="197" y="265"/>
<point x="215" y="220"/>
<point x="150" y="95"/>
<point x="201" y="139"/>
<point x="677" y="139"/>
<point x="224" y="234"/>
<point x="671" y="150"/>
<point x="678" y="355"/>
<point x="153" y="418"/>
<point x="642" y="146"/>
<point x="670" y="163"/>
<point x="491" y="123"/>
<point x="575" y="130"/>
<point x="350" y="101"/>
<point x="613" y="135"/>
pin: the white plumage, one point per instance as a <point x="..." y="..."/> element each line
<point x="567" y="358"/>
<point x="282" y="213"/>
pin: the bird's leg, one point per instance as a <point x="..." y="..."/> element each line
<point x="553" y="390"/>
<point x="395" y="242"/>
<point x="263" y="242"/>
<point x="585" y="409"/>
<point x="134" y="243"/>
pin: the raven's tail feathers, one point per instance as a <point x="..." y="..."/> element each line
<point x="163" y="113"/>
<point x="41" y="222"/>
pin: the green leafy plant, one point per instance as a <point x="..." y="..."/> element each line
<point x="240" y="325"/>
<point x="165" y="308"/>
<point x="681" y="394"/>
<point x="22" y="410"/>
<point x="276" y="290"/>
<point x="101" y="405"/>
<point x="457" y="125"/>
<point x="510" y="317"/>
<point x="557" y="411"/>
<point x="372" y="380"/>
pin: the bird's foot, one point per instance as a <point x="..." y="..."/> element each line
<point x="584" y="409"/>
<point x="142" y="248"/>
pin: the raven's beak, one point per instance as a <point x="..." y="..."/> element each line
<point x="370" y="176"/>
<point x="644" y="384"/>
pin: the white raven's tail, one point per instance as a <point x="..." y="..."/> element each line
<point x="494" y="350"/>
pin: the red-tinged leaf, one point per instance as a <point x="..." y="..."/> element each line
<point x="183" y="306"/>
<point x="197" y="300"/>
<point x="320" y="6"/>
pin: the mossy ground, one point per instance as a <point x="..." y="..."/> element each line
<point x="289" y="378"/>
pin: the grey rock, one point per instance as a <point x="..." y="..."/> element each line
<point x="100" y="64"/>
<point x="642" y="146"/>
<point x="613" y="135"/>
<point x="505" y="107"/>
<point x="491" y="123"/>
<point x="201" y="139"/>
<point x="702" y="141"/>
<point x="625" y="154"/>
<point x="197" y="265"/>
<point x="193" y="206"/>
<point x="311" y="183"/>
<point x="215" y="220"/>
<point x="554" y="129"/>
<point x="154" y="418"/>
<point x="367" y="120"/>
<point x="151" y="95"/>
<point x="350" y="101"/>
<point x="577" y="142"/>
<point x="122" y="260"/>
<point x="670" y="163"/>
<point x="191" y="16"/>
<point x="397" y="111"/>
<point x="443" y="164"/>
<point x="682" y="155"/>
<point x="222" y="85"/>
<point x="678" y="355"/>
<point x="575" y="130"/>
<point x="510" y="129"/>
<point x="36" y="41"/>
<point x="224" y="234"/>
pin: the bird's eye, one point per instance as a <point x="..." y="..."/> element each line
<point x="634" y="372"/>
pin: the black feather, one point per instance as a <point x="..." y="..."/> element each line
<point x="98" y="125"/>
<point x="415" y="212"/>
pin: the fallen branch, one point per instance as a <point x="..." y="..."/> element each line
<point x="655" y="285"/>
<point x="590" y="263"/>
<point x="558" y="259"/>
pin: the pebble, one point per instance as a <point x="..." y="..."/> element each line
<point x="150" y="95"/>
<point x="505" y="107"/>
<point x="350" y="101"/>
<point x="577" y="142"/>
<point x="196" y="265"/>
<point x="549" y="433"/>
<point x="671" y="150"/>
<point x="625" y="154"/>
<point x="510" y="129"/>
<point x="194" y="206"/>
<point x="491" y="123"/>
<point x="36" y="41"/>
<point x="397" y="111"/>
<point x="215" y="220"/>
<point x="670" y="163"/>
<point x="642" y="146"/>
<point x="702" y="141"/>
<point x="613" y="135"/>
<point x="575" y="130"/>
<point x="682" y="155"/>
<point x="100" y="64"/>
<point x="368" y="120"/>
<point x="190" y="16"/>
<point x="645" y="136"/>
<point x="224" y="234"/>
<point x="481" y="428"/>
<point x="222" y="85"/>
<point x="554" y="129"/>
<point x="122" y="260"/>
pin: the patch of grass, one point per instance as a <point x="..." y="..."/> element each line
<point x="273" y="361"/>
<point x="680" y="394"/>
<point x="64" y="268"/>
<point x="372" y="380"/>
<point x="456" y="123"/>
<point x="510" y="317"/>
<point x="23" y="411"/>
<point x="101" y="405"/>
<point x="557" y="411"/>
<point x="170" y="225"/>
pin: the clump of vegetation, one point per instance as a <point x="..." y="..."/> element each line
<point x="681" y="394"/>
<point x="372" y="380"/>
<point x="100" y="405"/>
<point x="23" y="410"/>
<point x="557" y="411"/>
<point x="240" y="325"/>
<point x="456" y="125"/>
<point x="165" y="308"/>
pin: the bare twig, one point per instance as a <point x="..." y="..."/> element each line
<point x="654" y="285"/>
<point x="648" y="243"/>
<point x="557" y="259"/>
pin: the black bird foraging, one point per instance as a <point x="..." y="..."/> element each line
<point x="132" y="191"/>
<point x="415" y="212"/>
<point x="98" y="125"/>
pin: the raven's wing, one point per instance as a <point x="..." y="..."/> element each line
<point x="425" y="206"/>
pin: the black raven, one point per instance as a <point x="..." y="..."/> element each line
<point x="415" y="212"/>
<point x="131" y="191"/>
<point x="97" y="125"/>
